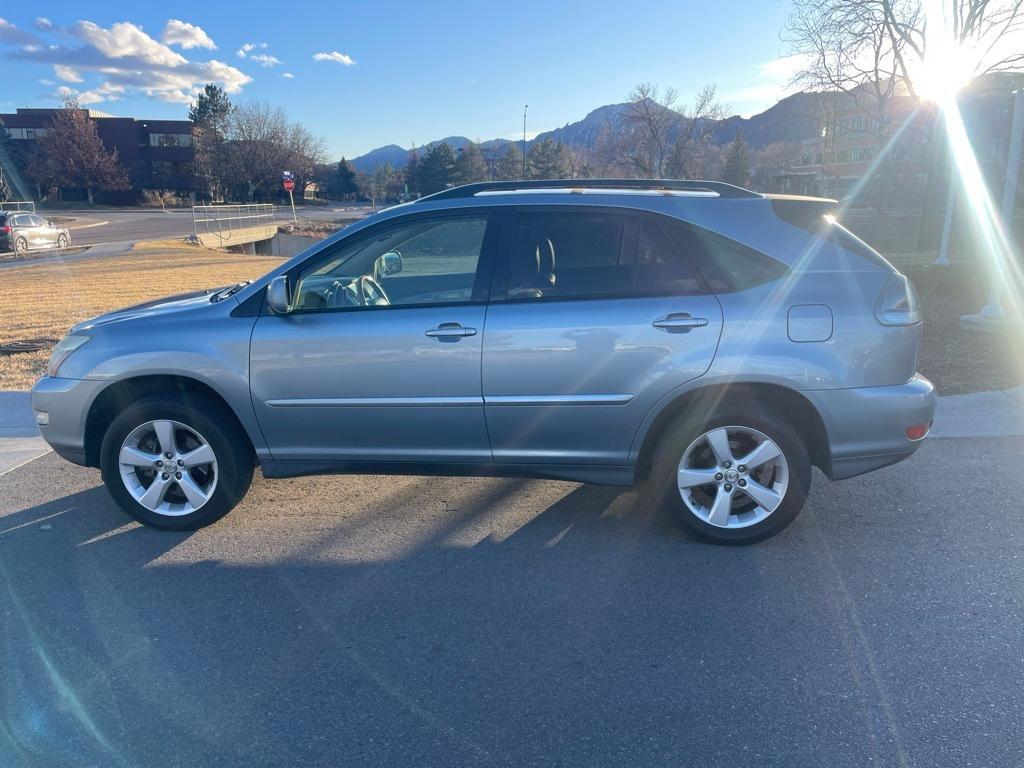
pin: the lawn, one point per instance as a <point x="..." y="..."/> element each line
<point x="45" y="300"/>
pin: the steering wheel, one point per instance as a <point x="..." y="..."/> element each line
<point x="371" y="294"/>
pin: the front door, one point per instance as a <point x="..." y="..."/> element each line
<point x="596" y="316"/>
<point x="379" y="359"/>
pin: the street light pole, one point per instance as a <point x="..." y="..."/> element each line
<point x="525" y="107"/>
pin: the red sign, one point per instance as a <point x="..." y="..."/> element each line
<point x="289" y="184"/>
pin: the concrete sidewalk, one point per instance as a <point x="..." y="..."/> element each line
<point x="983" y="414"/>
<point x="19" y="439"/>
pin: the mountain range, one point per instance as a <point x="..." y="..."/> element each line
<point x="789" y="120"/>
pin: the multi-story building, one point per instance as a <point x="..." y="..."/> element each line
<point x="843" y="159"/>
<point x="157" y="154"/>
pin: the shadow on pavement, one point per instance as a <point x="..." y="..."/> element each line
<point x="529" y="624"/>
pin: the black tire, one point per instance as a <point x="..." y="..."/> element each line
<point x="20" y="246"/>
<point x="688" y="428"/>
<point x="220" y="429"/>
<point x="62" y="241"/>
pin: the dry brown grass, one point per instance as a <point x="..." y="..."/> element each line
<point x="45" y="300"/>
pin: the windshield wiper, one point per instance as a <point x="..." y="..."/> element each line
<point x="231" y="290"/>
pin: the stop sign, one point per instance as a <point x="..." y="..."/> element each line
<point x="289" y="184"/>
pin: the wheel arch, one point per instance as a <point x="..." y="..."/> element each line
<point x="782" y="400"/>
<point x="124" y="392"/>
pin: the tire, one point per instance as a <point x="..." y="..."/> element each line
<point x="62" y="241"/>
<point x="199" y="421"/>
<point x="745" y="520"/>
<point x="20" y="246"/>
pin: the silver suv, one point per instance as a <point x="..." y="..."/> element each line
<point x="712" y="342"/>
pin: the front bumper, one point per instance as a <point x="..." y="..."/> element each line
<point x="867" y="425"/>
<point x="66" y="403"/>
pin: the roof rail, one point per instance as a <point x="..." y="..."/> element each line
<point x="718" y="187"/>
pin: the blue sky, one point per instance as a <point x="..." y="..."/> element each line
<point x="394" y="72"/>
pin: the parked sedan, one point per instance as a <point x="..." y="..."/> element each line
<point x="21" y="232"/>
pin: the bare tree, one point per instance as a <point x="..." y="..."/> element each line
<point x="848" y="50"/>
<point x="990" y="28"/>
<point x="261" y="143"/>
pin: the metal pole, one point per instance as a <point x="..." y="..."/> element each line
<point x="525" y="107"/>
<point x="994" y="308"/>
<point x="295" y="216"/>
<point x="947" y="223"/>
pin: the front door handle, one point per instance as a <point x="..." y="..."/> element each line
<point x="679" y="322"/>
<point x="450" y="332"/>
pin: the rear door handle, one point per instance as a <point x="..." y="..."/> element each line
<point x="450" y="331"/>
<point x="679" y="322"/>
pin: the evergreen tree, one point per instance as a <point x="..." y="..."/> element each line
<point x="344" y="179"/>
<point x="470" y="165"/>
<point x="548" y="160"/>
<point x="737" y="163"/>
<point x="209" y="115"/>
<point x="510" y="167"/>
<point x="436" y="170"/>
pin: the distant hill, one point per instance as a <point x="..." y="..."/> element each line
<point x="790" y="120"/>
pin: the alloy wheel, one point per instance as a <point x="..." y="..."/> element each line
<point x="733" y="477"/>
<point x="168" y="467"/>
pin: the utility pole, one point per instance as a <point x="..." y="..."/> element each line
<point x="992" y="315"/>
<point x="525" y="107"/>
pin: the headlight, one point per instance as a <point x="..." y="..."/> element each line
<point x="65" y="347"/>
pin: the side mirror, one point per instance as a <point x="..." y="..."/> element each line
<point x="277" y="296"/>
<point x="388" y="264"/>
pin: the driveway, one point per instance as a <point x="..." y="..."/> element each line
<point x="446" y="622"/>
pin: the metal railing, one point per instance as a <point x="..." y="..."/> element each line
<point x="21" y="207"/>
<point x="223" y="220"/>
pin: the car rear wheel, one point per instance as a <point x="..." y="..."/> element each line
<point x="176" y="465"/>
<point x="738" y="477"/>
<point x="62" y="241"/>
<point x="20" y="245"/>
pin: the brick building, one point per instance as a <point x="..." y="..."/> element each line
<point x="158" y="154"/>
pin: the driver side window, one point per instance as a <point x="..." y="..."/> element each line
<point x="422" y="262"/>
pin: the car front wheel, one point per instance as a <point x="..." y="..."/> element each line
<point x="736" y="478"/>
<point x="176" y="465"/>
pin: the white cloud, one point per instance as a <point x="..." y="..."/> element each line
<point x="127" y="60"/>
<point x="289" y="75"/>
<point x="67" y="74"/>
<point x="14" y="36"/>
<point x="46" y="81"/>
<point x="264" y="59"/>
<point x="186" y="35"/>
<point x="340" y="58"/>
<point x="44" y="24"/>
<point x="244" y="50"/>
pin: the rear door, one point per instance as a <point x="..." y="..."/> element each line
<point x="595" y="314"/>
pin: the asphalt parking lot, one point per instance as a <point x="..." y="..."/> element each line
<point x="441" y="622"/>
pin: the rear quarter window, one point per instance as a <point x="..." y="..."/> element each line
<point x="726" y="265"/>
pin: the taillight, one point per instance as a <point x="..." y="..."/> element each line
<point x="6" y="230"/>
<point x="897" y="304"/>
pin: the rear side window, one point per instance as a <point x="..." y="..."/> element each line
<point x="727" y="265"/>
<point x="569" y="254"/>
<point x="661" y="265"/>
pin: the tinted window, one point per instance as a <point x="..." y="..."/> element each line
<point x="661" y="266"/>
<point x="568" y="254"/>
<point x="415" y="263"/>
<point x="36" y="221"/>
<point x="725" y="264"/>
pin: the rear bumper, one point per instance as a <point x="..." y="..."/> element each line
<point x="66" y="404"/>
<point x="867" y="426"/>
